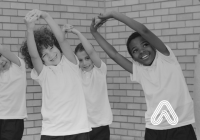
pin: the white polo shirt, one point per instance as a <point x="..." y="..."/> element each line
<point x="164" y="80"/>
<point x="13" y="92"/>
<point x="63" y="104"/>
<point x="96" y="95"/>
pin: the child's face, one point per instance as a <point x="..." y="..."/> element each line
<point x="141" y="51"/>
<point x="51" y="56"/>
<point x="4" y="63"/>
<point x="85" y="62"/>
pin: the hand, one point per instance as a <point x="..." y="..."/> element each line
<point x="29" y="24"/>
<point x="106" y="15"/>
<point x="33" y="15"/>
<point x="67" y="28"/>
<point x="95" y="25"/>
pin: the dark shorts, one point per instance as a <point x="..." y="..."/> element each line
<point x="81" y="136"/>
<point x="11" y="129"/>
<point x="179" y="133"/>
<point x="100" y="133"/>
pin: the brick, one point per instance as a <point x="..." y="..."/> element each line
<point x="119" y="92"/>
<point x="192" y="37"/>
<point x="121" y="131"/>
<point x="169" y="32"/>
<point x="185" y="45"/>
<point x="25" y="0"/>
<point x="17" y="34"/>
<point x="185" y="16"/>
<point x="28" y="124"/>
<point x="32" y="6"/>
<point x="9" y="12"/>
<point x="67" y="2"/>
<point x="120" y="105"/>
<point x="177" y="24"/>
<point x="10" y="26"/>
<point x="185" y="59"/>
<point x="177" y="38"/>
<point x="133" y="93"/>
<point x="161" y="25"/>
<point x="189" y="9"/>
<point x="126" y="99"/>
<point x="67" y="15"/>
<point x="84" y="10"/>
<point x="138" y="7"/>
<point x="140" y="126"/>
<point x="113" y="86"/>
<point x="4" y="4"/>
<point x="168" y="4"/>
<point x="125" y="9"/>
<point x="161" y="12"/>
<point x="114" y="99"/>
<point x="179" y="52"/>
<point x="39" y="1"/>
<point x="34" y="103"/>
<point x="34" y="89"/>
<point x="134" y="133"/>
<point x="10" y="41"/>
<point x="127" y="126"/>
<point x="185" y="31"/>
<point x="193" y="52"/>
<point x="169" y="18"/>
<point x="131" y="2"/>
<point x="145" y="1"/>
<point x="193" y="23"/>
<point x="46" y="7"/>
<point x="92" y="4"/>
<point x="118" y="3"/>
<point x="36" y="130"/>
<point x="17" y="5"/>
<point x="133" y="106"/>
<point x="146" y="13"/>
<point x="178" y="10"/>
<point x="38" y="123"/>
<point x="119" y="80"/>
<point x="115" y="125"/>
<point x="34" y="117"/>
<point x="53" y="2"/>
<point x="17" y="20"/>
<point x="132" y="14"/>
<point x="184" y="2"/>
<point x="154" y="19"/>
<point x="153" y="6"/>
<point x="28" y="137"/>
<point x="4" y="19"/>
<point x="5" y="33"/>
<point x="97" y="10"/>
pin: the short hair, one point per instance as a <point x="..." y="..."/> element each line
<point x="131" y="37"/>
<point x="79" y="48"/>
<point x="44" y="38"/>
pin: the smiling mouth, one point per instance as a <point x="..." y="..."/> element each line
<point x="145" y="57"/>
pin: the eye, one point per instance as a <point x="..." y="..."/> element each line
<point x="145" y="45"/>
<point x="80" y="60"/>
<point x="134" y="51"/>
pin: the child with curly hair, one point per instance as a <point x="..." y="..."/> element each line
<point x="93" y="72"/>
<point x="56" y="68"/>
<point x="12" y="95"/>
<point x="156" y="68"/>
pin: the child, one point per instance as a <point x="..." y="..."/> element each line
<point x="93" y="71"/>
<point x="56" y="68"/>
<point x="156" y="68"/>
<point x="12" y="95"/>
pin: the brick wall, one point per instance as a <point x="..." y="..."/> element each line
<point x="175" y="22"/>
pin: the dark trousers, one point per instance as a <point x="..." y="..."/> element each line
<point x="11" y="129"/>
<point x="100" y="133"/>
<point x="179" y="133"/>
<point x="82" y="136"/>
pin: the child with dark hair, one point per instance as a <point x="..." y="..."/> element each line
<point x="12" y="95"/>
<point x="156" y="68"/>
<point x="93" y="72"/>
<point x="56" y="68"/>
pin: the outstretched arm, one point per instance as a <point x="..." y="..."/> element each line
<point x="110" y="50"/>
<point x="88" y="48"/>
<point x="60" y="36"/>
<point x="32" y="49"/>
<point x="153" y="40"/>
<point x="9" y="55"/>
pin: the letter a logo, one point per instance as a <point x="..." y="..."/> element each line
<point x="164" y="113"/>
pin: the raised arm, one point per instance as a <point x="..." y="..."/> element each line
<point x="153" y="40"/>
<point x="88" y="48"/>
<point x="60" y="36"/>
<point x="9" y="55"/>
<point x="32" y="49"/>
<point x="110" y="50"/>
